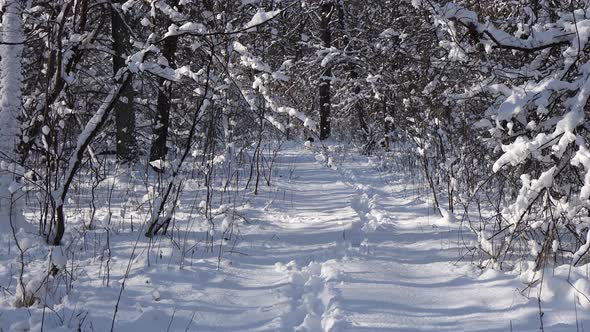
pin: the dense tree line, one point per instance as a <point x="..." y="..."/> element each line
<point x="489" y="98"/>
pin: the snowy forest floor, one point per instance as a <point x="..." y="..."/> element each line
<point x="345" y="248"/>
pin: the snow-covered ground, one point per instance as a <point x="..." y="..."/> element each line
<point x="339" y="247"/>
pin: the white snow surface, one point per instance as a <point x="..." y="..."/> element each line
<point x="342" y="248"/>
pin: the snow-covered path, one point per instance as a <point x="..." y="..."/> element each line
<point x="348" y="250"/>
<point x="402" y="275"/>
<point x="325" y="249"/>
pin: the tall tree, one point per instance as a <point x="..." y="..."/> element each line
<point x="158" y="149"/>
<point x="11" y="80"/>
<point x="124" y="109"/>
<point x="327" y="10"/>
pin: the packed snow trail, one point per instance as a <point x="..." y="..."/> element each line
<point x="340" y="248"/>
<point x="382" y="261"/>
<point x="359" y="252"/>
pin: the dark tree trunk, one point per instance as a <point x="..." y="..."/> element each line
<point x="389" y="127"/>
<point x="124" y="111"/>
<point x="358" y="107"/>
<point x="325" y="80"/>
<point x="158" y="150"/>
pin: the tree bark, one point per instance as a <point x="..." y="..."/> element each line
<point x="158" y="150"/>
<point x="389" y="115"/>
<point x="11" y="81"/>
<point x="325" y="80"/>
<point x="124" y="110"/>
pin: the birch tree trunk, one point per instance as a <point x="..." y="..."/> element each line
<point x="11" y="78"/>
